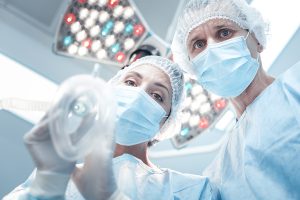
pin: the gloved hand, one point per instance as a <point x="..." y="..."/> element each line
<point x="95" y="179"/>
<point x="53" y="172"/>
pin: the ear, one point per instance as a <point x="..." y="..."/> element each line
<point x="260" y="48"/>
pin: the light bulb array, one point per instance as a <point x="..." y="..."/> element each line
<point x="201" y="111"/>
<point x="100" y="30"/>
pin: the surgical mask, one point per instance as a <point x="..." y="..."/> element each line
<point x="226" y="68"/>
<point x="138" y="116"/>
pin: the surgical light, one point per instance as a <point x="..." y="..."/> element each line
<point x="105" y="31"/>
<point x="202" y="111"/>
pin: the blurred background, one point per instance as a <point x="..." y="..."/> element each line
<point x="30" y="69"/>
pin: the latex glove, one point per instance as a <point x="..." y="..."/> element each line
<point x="95" y="179"/>
<point x="53" y="172"/>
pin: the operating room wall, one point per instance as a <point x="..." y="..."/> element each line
<point x="288" y="56"/>
<point x="16" y="163"/>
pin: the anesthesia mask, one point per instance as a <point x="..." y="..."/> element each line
<point x="81" y="114"/>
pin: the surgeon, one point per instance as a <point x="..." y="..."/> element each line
<point x="149" y="94"/>
<point x="219" y="42"/>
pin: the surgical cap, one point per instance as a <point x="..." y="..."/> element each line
<point x="172" y="124"/>
<point x="198" y="12"/>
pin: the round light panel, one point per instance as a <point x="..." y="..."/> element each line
<point x="202" y="110"/>
<point x="100" y="30"/>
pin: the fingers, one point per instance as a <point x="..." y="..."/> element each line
<point x="39" y="132"/>
<point x="85" y="126"/>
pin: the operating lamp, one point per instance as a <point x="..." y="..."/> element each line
<point x="106" y="31"/>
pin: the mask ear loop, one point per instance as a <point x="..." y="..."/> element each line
<point x="247" y="36"/>
<point x="257" y="55"/>
<point x="168" y="115"/>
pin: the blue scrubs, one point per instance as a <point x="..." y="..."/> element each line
<point x="136" y="180"/>
<point x="261" y="156"/>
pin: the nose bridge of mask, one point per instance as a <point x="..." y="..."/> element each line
<point x="223" y="44"/>
<point x="151" y="101"/>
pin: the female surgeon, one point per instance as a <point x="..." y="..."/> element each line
<point x="149" y="93"/>
<point x="219" y="42"/>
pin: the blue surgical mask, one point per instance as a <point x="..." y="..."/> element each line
<point x="138" y="116"/>
<point x="226" y="68"/>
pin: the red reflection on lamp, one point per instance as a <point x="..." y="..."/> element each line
<point x="203" y="123"/>
<point x="120" y="57"/>
<point x="81" y="1"/>
<point x="138" y="30"/>
<point x="69" y="18"/>
<point x="87" y="43"/>
<point x="220" y="104"/>
<point x="112" y="3"/>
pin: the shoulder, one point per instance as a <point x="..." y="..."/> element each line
<point x="290" y="83"/>
<point x="190" y="185"/>
<point x="184" y="176"/>
<point x="292" y="76"/>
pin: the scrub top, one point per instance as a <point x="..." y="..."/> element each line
<point x="261" y="156"/>
<point x="139" y="181"/>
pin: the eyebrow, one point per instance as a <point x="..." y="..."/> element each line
<point x="219" y="26"/>
<point x="224" y="26"/>
<point x="162" y="86"/>
<point x="136" y="74"/>
<point x="191" y="42"/>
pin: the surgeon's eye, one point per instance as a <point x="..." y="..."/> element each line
<point x="130" y="83"/>
<point x="224" y="33"/>
<point x="199" y="44"/>
<point x="157" y="97"/>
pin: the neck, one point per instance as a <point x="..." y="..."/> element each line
<point x="139" y="151"/>
<point x="259" y="84"/>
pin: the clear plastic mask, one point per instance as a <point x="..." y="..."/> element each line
<point x="79" y="115"/>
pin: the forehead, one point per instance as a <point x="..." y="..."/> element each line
<point x="213" y="24"/>
<point x="151" y="73"/>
